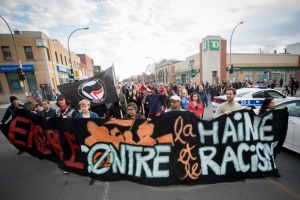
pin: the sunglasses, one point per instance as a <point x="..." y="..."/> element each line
<point x="196" y="107"/>
<point x="60" y="99"/>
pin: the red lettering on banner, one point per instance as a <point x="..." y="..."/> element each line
<point x="53" y="142"/>
<point x="72" y="162"/>
<point x="40" y="139"/>
<point x="13" y="129"/>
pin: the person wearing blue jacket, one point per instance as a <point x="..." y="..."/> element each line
<point x="203" y="97"/>
<point x="86" y="113"/>
<point x="11" y="111"/>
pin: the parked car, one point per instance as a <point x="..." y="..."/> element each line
<point x="251" y="97"/>
<point x="292" y="140"/>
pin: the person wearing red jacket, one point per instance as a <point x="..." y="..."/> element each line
<point x="195" y="105"/>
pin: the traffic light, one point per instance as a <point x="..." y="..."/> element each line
<point x="71" y="75"/>
<point x="22" y="77"/>
<point x="231" y="69"/>
<point x="20" y="73"/>
<point x="193" y="72"/>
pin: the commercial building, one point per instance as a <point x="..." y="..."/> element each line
<point x="87" y="64"/>
<point x="212" y="63"/>
<point x="45" y="62"/>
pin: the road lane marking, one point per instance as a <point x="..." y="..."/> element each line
<point x="283" y="187"/>
<point x="106" y="189"/>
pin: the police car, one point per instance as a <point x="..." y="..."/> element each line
<point x="251" y="97"/>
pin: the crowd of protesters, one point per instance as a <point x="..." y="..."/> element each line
<point x="140" y="101"/>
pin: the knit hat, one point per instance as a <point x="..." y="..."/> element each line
<point x="12" y="98"/>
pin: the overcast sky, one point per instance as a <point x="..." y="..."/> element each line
<point x="125" y="32"/>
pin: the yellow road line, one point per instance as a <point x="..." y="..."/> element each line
<point x="292" y="193"/>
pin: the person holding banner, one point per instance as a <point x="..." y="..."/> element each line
<point x="11" y="111"/>
<point x="48" y="111"/>
<point x="85" y="113"/>
<point x="175" y="104"/>
<point x="132" y="112"/>
<point x="230" y="105"/>
<point x="268" y="105"/>
<point x="65" y="109"/>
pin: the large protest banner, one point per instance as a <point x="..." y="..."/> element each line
<point x="175" y="148"/>
<point x="98" y="89"/>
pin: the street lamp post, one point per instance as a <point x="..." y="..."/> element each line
<point x="20" y="63"/>
<point x="155" y="68"/>
<point x="231" y="38"/>
<point x="72" y="72"/>
<point x="230" y="45"/>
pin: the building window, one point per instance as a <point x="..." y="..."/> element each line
<point x="234" y="76"/>
<point x="31" y="81"/>
<point x="66" y="61"/>
<point x="62" y="62"/>
<point x="6" y="53"/>
<point x="48" y="55"/>
<point x="28" y="53"/>
<point x="13" y="82"/>
<point x="249" y="75"/>
<point x="260" y="76"/>
<point x="56" y="57"/>
<point x="292" y="74"/>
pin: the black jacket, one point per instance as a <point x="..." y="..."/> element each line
<point x="10" y="111"/>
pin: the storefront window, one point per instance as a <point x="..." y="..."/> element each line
<point x="31" y="81"/>
<point x="13" y="82"/>
<point x="188" y="78"/>
<point x="292" y="74"/>
<point x="260" y="76"/>
<point x="249" y="75"/>
<point x="234" y="76"/>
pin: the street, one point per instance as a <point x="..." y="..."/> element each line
<point x="26" y="177"/>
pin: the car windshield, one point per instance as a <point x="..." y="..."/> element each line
<point x="292" y="106"/>
<point x="241" y="93"/>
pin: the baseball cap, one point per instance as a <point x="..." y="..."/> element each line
<point x="176" y="98"/>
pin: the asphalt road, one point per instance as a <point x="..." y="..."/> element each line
<point x="26" y="177"/>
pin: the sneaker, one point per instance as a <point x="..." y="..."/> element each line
<point x="92" y="181"/>
<point x="66" y="172"/>
<point x="20" y="152"/>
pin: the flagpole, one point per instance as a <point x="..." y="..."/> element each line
<point x="114" y="74"/>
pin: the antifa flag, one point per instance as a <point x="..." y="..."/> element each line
<point x="174" y="148"/>
<point x="99" y="89"/>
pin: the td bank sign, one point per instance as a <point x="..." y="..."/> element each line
<point x="211" y="44"/>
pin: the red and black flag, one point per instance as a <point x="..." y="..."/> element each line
<point x="99" y="89"/>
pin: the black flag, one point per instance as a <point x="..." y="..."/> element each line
<point x="98" y="89"/>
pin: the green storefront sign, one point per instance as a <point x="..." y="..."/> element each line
<point x="204" y="45"/>
<point x="214" y="45"/>
<point x="268" y="68"/>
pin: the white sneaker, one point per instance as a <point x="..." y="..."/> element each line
<point x="66" y="172"/>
